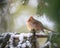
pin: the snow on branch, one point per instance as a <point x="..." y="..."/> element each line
<point x="20" y="40"/>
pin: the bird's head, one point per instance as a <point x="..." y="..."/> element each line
<point x="30" y="19"/>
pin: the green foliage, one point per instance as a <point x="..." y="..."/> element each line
<point x="53" y="12"/>
<point x="2" y="3"/>
<point x="40" y="8"/>
<point x="56" y="39"/>
<point x="3" y="15"/>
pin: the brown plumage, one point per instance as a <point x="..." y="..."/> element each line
<point x="35" y="24"/>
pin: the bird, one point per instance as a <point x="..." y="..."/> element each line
<point x="32" y="23"/>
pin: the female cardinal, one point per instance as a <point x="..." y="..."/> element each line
<point x="36" y="25"/>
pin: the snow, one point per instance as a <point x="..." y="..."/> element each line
<point x="45" y="21"/>
<point x="13" y="7"/>
<point x="48" y="43"/>
<point x="21" y="38"/>
<point x="41" y="33"/>
<point x="33" y="3"/>
<point x="23" y="42"/>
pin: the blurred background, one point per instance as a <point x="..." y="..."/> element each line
<point x="14" y="14"/>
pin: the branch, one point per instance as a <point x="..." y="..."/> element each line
<point x="5" y="40"/>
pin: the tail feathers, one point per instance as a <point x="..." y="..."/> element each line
<point x="48" y="29"/>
